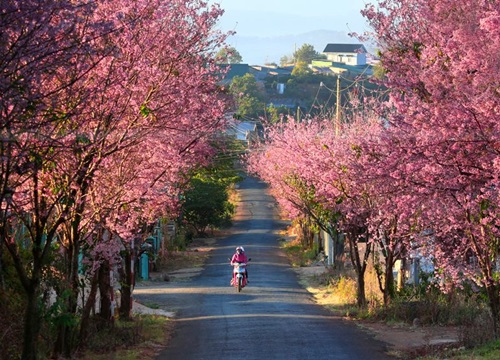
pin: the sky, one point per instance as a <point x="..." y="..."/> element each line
<point x="287" y="17"/>
<point x="271" y="19"/>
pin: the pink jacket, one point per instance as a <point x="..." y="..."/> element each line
<point x="240" y="258"/>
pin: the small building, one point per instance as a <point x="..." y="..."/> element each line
<point x="263" y="72"/>
<point x="349" y="54"/>
<point x="232" y="71"/>
<point x="241" y="130"/>
<point x="326" y="67"/>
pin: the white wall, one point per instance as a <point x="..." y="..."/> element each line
<point x="348" y="59"/>
<point x="328" y="244"/>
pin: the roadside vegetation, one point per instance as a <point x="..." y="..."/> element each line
<point x="142" y="338"/>
<point x="207" y="203"/>
<point x="139" y="337"/>
<point x="145" y="335"/>
<point x="422" y="306"/>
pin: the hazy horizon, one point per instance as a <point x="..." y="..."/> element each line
<point x="266" y="31"/>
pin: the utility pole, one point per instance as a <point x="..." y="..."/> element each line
<point x="337" y="117"/>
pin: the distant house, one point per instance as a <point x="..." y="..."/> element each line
<point x="289" y="103"/>
<point x="349" y="54"/>
<point x="333" y="68"/>
<point x="262" y="72"/>
<point x="234" y="70"/>
<point x="350" y="60"/>
<point x="278" y="74"/>
<point x="241" y="130"/>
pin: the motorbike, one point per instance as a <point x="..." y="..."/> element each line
<point x="239" y="280"/>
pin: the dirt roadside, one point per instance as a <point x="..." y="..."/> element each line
<point x="405" y="341"/>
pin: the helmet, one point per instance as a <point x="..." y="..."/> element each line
<point x="240" y="248"/>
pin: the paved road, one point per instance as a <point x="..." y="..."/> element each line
<point x="272" y="318"/>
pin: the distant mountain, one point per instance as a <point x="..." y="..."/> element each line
<point x="260" y="50"/>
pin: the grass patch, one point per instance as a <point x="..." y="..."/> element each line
<point x="488" y="351"/>
<point x="297" y="255"/>
<point x="294" y="254"/>
<point x="142" y="338"/>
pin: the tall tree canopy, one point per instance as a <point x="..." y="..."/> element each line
<point x="104" y="106"/>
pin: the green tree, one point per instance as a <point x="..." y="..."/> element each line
<point x="274" y="113"/>
<point x="206" y="205"/>
<point x="301" y="69"/>
<point x="229" y="55"/>
<point x="248" y="96"/>
<point x="306" y="53"/>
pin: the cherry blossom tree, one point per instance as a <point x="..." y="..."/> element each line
<point x="430" y="164"/>
<point x="312" y="172"/>
<point x="87" y="85"/>
<point x="39" y="57"/>
<point x="441" y="63"/>
<point x="165" y="114"/>
<point x="343" y="181"/>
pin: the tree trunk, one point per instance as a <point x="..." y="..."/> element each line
<point x="339" y="252"/>
<point x="87" y="308"/>
<point x="126" y="287"/>
<point x="401" y="275"/>
<point x="31" y="323"/>
<point x="66" y="333"/>
<point x="494" y="302"/>
<point x="360" y="292"/>
<point x="105" y="293"/>
<point x="388" y="279"/>
<point x="359" y="265"/>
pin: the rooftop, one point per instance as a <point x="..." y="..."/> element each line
<point x="345" y="48"/>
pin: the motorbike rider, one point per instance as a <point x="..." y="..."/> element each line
<point x="240" y="257"/>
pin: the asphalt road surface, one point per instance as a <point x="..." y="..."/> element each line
<point x="272" y="318"/>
